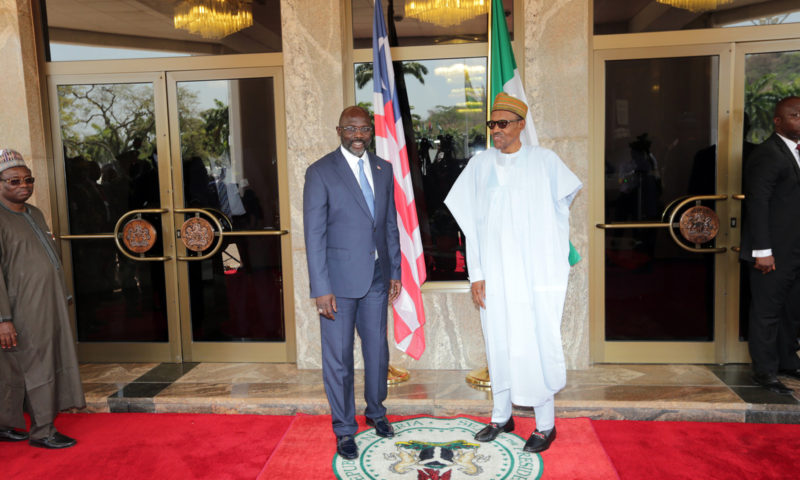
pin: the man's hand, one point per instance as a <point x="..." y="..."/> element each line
<point x="394" y="290"/>
<point x="8" y="335"/>
<point x="479" y="293"/>
<point x="326" y="306"/>
<point x="765" y="264"/>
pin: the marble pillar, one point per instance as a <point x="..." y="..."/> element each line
<point x="21" y="116"/>
<point x="556" y="62"/>
<point x="312" y="70"/>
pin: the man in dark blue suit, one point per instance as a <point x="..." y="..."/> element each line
<point x="353" y="253"/>
<point x="771" y="240"/>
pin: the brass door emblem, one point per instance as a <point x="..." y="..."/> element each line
<point x="139" y="235"/>
<point x="699" y="224"/>
<point x="197" y="234"/>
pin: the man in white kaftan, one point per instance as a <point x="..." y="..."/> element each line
<point x="512" y="204"/>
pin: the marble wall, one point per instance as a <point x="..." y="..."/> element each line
<point x="312" y="71"/>
<point x="557" y="56"/>
<point x="22" y="120"/>
<point x="556" y="65"/>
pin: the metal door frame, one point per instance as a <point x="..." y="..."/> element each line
<point x="169" y="351"/>
<point x="236" y="351"/>
<point x="179" y="347"/>
<point x="732" y="45"/>
<point x="661" y="351"/>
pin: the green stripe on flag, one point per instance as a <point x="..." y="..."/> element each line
<point x="503" y="63"/>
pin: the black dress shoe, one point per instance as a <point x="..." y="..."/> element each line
<point x="791" y="373"/>
<point x="539" y="442"/>
<point x="55" y="440"/>
<point x="12" y="436"/>
<point x="771" y="383"/>
<point x="346" y="447"/>
<point x="491" y="431"/>
<point x="382" y="426"/>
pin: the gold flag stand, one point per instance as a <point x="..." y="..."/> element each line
<point x="397" y="375"/>
<point x="479" y="378"/>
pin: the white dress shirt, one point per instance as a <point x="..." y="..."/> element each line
<point x="352" y="161"/>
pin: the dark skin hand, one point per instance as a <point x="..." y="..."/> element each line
<point x="479" y="293"/>
<point x="765" y="264"/>
<point x="326" y="304"/>
<point x="8" y="335"/>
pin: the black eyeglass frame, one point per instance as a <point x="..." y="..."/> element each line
<point x="500" y="123"/>
<point x="16" y="182"/>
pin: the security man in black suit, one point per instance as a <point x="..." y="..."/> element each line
<point x="771" y="241"/>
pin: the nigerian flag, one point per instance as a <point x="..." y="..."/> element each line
<point x="505" y="77"/>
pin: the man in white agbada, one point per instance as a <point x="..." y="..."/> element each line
<point x="512" y="204"/>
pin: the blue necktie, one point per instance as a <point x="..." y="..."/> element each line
<point x="365" y="189"/>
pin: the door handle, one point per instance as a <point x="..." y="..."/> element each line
<point x="219" y="233"/>
<point x="195" y="233"/>
<point x="672" y="209"/>
<point x="139" y="236"/>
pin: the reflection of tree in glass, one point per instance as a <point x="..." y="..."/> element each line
<point x="99" y="122"/>
<point x="415" y="69"/>
<point x="770" y="77"/>
<point x="203" y="134"/>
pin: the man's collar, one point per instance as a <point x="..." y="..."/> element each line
<point x="348" y="155"/>
<point x="788" y="141"/>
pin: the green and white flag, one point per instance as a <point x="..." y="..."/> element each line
<point x="505" y="75"/>
<point x="505" y="78"/>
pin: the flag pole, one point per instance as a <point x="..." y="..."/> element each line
<point x="489" y="100"/>
<point x="479" y="377"/>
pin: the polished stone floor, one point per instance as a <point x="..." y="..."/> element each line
<point x="634" y="392"/>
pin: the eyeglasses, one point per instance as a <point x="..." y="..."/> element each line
<point x="352" y="129"/>
<point x="500" y="123"/>
<point x="16" y="182"/>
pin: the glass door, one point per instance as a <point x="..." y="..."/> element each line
<point x="665" y="229"/>
<point x="675" y="126"/>
<point x="109" y="129"/>
<point x="764" y="73"/>
<point x="234" y="305"/>
<point x="171" y="215"/>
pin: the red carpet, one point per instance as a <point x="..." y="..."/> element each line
<point x="146" y="446"/>
<point x="309" y="447"/>
<point x="694" y="450"/>
<point x="226" y="447"/>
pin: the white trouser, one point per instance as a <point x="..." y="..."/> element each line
<point x="545" y="413"/>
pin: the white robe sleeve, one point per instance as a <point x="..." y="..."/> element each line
<point x="564" y="184"/>
<point x="462" y="203"/>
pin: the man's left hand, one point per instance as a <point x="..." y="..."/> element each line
<point x="8" y="335"/>
<point x="394" y="290"/>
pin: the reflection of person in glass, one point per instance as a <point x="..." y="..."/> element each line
<point x="512" y="203"/>
<point x="353" y="252"/>
<point x="771" y="242"/>
<point x="640" y="182"/>
<point x="38" y="366"/>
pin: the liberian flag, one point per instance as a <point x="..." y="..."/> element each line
<point x="390" y="144"/>
<point x="505" y="78"/>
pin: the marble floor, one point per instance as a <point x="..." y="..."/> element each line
<point x="634" y="392"/>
